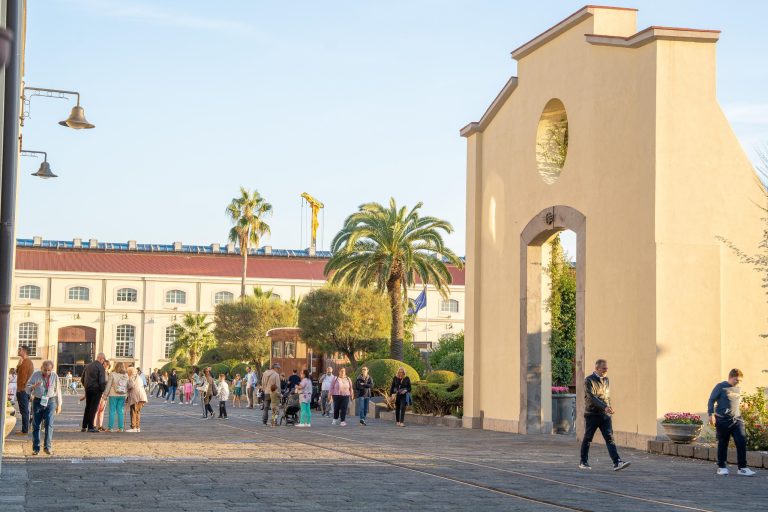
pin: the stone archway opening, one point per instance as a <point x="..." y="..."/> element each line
<point x="535" y="358"/>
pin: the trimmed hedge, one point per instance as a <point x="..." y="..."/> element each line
<point x="383" y="370"/>
<point x="438" y="399"/>
<point x="442" y="377"/>
<point x="453" y="362"/>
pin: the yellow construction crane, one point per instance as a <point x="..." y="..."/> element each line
<point x="315" y="205"/>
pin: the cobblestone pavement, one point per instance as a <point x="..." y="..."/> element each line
<point x="181" y="462"/>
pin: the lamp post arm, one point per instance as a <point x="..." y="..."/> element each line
<point x="28" y="152"/>
<point x="54" y="91"/>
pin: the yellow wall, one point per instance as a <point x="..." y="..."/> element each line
<point x="656" y="170"/>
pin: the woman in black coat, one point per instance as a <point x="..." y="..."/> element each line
<point x="400" y="390"/>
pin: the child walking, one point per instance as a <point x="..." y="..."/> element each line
<point x="274" y="398"/>
<point x="223" y="396"/>
<point x="238" y="384"/>
<point x="189" y="388"/>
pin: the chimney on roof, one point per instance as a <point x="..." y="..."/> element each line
<point x="37" y="241"/>
<point x="267" y="250"/>
<point x="131" y="245"/>
<point x="77" y="243"/>
<point x="177" y="246"/>
<point x="93" y="243"/>
<point x="231" y="247"/>
<point x="215" y="248"/>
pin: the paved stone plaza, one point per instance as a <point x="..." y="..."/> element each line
<point x="180" y="462"/>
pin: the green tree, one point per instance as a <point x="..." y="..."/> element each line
<point x="247" y="212"/>
<point x="387" y="248"/>
<point x="241" y="327"/>
<point x="344" y="320"/>
<point x="449" y="344"/>
<point x="193" y="337"/>
<point x="562" y="308"/>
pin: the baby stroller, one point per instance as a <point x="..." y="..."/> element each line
<point x="289" y="409"/>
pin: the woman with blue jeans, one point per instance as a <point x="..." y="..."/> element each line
<point x="363" y="388"/>
<point x="173" y="384"/>
<point x="116" y="392"/>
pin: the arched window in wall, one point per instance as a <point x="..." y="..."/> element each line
<point x="449" y="306"/>
<point x="29" y="291"/>
<point x="79" y="293"/>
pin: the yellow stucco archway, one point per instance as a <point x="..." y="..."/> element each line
<point x="639" y="148"/>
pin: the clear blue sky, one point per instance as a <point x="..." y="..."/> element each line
<point x="351" y="101"/>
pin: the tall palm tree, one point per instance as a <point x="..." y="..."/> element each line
<point x="387" y="248"/>
<point x="247" y="212"/>
<point x="193" y="337"/>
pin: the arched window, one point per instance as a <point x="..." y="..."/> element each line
<point x="275" y="296"/>
<point x="127" y="295"/>
<point x="125" y="339"/>
<point x="79" y="293"/>
<point x="175" y="297"/>
<point x="449" y="306"/>
<point x="222" y="297"/>
<point x="171" y="335"/>
<point x="29" y="291"/>
<point x="28" y="337"/>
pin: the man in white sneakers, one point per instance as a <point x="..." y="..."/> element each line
<point x="724" y="409"/>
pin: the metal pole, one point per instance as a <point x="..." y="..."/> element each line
<point x="11" y="100"/>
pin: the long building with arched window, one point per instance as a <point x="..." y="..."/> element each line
<point x="76" y="298"/>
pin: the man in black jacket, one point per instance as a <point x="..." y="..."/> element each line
<point x="363" y="389"/>
<point x="597" y="413"/>
<point x="94" y="381"/>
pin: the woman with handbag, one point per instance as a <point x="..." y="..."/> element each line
<point x="341" y="391"/>
<point x="401" y="392"/>
<point x="207" y="392"/>
<point x="116" y="392"/>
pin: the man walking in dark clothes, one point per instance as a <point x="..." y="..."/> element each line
<point x="94" y="381"/>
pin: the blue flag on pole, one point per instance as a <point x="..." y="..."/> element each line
<point x="420" y="303"/>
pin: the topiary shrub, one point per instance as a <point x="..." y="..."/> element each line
<point x="238" y="368"/>
<point x="453" y="362"/>
<point x="442" y="377"/>
<point x="439" y="399"/>
<point x="212" y="356"/>
<point x="219" y="368"/>
<point x="383" y="370"/>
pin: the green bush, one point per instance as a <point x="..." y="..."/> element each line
<point x="411" y="356"/>
<point x="167" y="367"/>
<point x="439" y="399"/>
<point x="453" y="362"/>
<point x="212" y="356"/>
<point x="383" y="370"/>
<point x="219" y="368"/>
<point x="449" y="343"/>
<point x="754" y="411"/>
<point x="239" y="368"/>
<point x="442" y="377"/>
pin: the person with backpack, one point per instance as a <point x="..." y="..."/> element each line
<point x="116" y="392"/>
<point x="270" y="378"/>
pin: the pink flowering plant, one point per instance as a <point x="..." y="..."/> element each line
<point x="682" y="418"/>
<point x="560" y="390"/>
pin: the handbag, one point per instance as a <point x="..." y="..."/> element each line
<point x="408" y="399"/>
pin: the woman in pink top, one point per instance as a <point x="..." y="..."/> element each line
<point x="341" y="391"/>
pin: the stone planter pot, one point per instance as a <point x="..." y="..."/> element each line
<point x="682" y="433"/>
<point x="10" y="423"/>
<point x="563" y="413"/>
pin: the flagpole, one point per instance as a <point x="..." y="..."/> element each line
<point x="426" y="315"/>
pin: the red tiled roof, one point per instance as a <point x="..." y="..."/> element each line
<point x="146" y="263"/>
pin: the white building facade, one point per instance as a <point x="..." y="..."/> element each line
<point x="76" y="299"/>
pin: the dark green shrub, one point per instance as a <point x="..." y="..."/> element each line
<point x="453" y="362"/>
<point x="439" y="399"/>
<point x="383" y="370"/>
<point x="449" y="343"/>
<point x="442" y="377"/>
<point x="219" y="368"/>
<point x="239" y="368"/>
<point x="411" y="356"/>
<point x="212" y="356"/>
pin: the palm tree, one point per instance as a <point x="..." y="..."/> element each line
<point x="193" y="337"/>
<point x="247" y="212"/>
<point x="387" y="248"/>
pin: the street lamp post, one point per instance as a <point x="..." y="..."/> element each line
<point x="44" y="171"/>
<point x="76" y="119"/>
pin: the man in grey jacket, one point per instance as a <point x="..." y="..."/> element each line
<point x="270" y="377"/>
<point x="597" y="415"/>
<point x="726" y="418"/>
<point x="43" y="387"/>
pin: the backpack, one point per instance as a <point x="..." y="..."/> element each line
<point x="121" y="384"/>
<point x="214" y="389"/>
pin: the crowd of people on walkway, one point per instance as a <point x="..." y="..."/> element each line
<point x="120" y="388"/>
